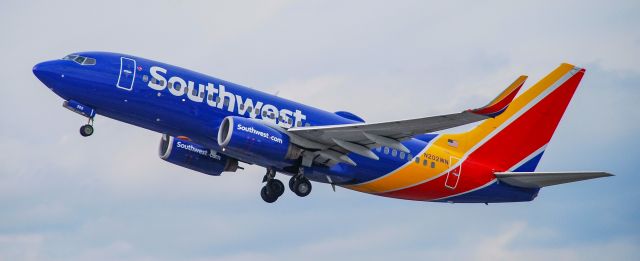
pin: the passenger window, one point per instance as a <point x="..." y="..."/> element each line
<point x="145" y="78"/>
<point x="211" y="96"/>
<point x="170" y="85"/>
<point x="257" y="111"/>
<point x="433" y="164"/>
<point x="226" y="102"/>
<point x="218" y="99"/>
<point x="424" y="162"/>
<point x="194" y="92"/>
<point x="402" y="154"/>
<point x="417" y="160"/>
<point x="378" y="149"/>
<point x="307" y="124"/>
<point x="394" y="152"/>
<point x="299" y="124"/>
<point x="409" y="157"/>
<point x="264" y="114"/>
<point x="202" y="95"/>
<point x="250" y="109"/>
<point x="154" y="81"/>
<point x="386" y="150"/>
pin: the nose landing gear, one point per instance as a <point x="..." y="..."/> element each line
<point x="87" y="129"/>
<point x="84" y="110"/>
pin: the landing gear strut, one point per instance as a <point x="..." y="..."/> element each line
<point x="299" y="184"/>
<point x="87" y="129"/>
<point x="84" y="110"/>
<point x="273" y="189"/>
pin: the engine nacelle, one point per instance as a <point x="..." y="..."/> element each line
<point x="195" y="157"/>
<point x="255" y="139"/>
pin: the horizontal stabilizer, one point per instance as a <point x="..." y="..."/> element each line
<point x="543" y="179"/>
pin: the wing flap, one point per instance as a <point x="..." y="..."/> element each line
<point x="543" y="179"/>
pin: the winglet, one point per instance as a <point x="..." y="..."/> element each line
<point x="498" y="105"/>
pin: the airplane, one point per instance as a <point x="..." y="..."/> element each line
<point x="210" y="125"/>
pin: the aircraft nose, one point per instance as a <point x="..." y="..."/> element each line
<point x="47" y="71"/>
<point x="41" y="70"/>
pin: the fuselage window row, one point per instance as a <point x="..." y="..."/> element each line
<point x="396" y="153"/>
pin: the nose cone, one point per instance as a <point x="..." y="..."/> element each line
<point x="47" y="72"/>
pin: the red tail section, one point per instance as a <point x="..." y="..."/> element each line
<point x="512" y="141"/>
<point x="525" y="131"/>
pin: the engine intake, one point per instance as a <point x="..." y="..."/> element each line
<point x="255" y="139"/>
<point x="195" y="157"/>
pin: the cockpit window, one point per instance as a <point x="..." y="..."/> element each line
<point x="82" y="60"/>
<point x="70" y="57"/>
<point x="79" y="59"/>
<point x="89" y="61"/>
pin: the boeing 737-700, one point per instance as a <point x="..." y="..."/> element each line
<point x="210" y="125"/>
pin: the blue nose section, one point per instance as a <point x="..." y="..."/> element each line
<point x="47" y="72"/>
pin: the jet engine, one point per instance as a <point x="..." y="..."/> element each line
<point x="255" y="139"/>
<point x="195" y="157"/>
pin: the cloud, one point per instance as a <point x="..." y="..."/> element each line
<point x="20" y="247"/>
<point x="505" y="246"/>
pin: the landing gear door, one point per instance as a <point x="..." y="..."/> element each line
<point x="453" y="177"/>
<point x="127" y="73"/>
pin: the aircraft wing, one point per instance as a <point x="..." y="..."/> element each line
<point x="334" y="141"/>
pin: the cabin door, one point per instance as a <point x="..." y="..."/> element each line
<point x="453" y="176"/>
<point x="127" y="73"/>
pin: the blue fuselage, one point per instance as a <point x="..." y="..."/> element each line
<point x="179" y="102"/>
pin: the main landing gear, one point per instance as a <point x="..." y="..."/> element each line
<point x="300" y="185"/>
<point x="274" y="188"/>
<point x="87" y="129"/>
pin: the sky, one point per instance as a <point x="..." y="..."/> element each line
<point x="109" y="197"/>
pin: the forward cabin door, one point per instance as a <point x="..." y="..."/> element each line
<point x="127" y="73"/>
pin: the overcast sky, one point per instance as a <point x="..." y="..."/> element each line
<point x="109" y="197"/>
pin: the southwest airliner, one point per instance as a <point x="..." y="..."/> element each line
<point x="210" y="125"/>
